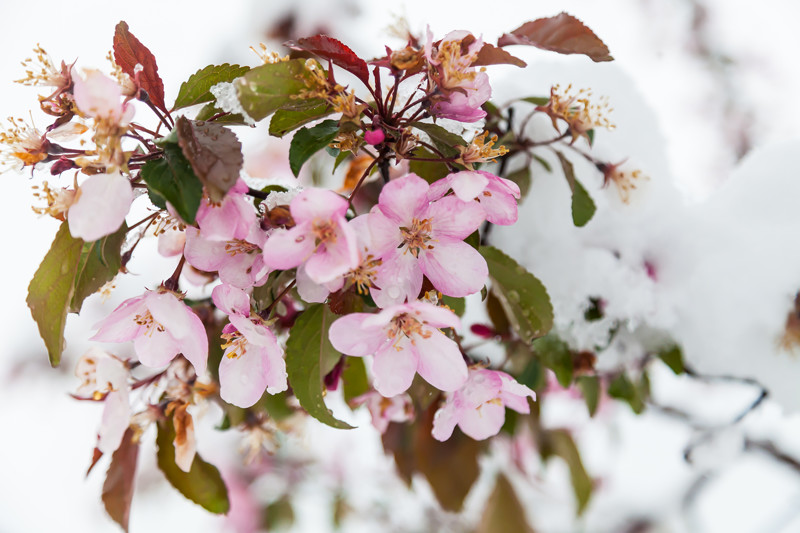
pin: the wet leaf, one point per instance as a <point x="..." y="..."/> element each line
<point x="129" y="52"/>
<point x="308" y="141"/>
<point x="492" y="55"/>
<point x="286" y="120"/>
<point x="503" y="511"/>
<point x="309" y="356"/>
<point x="340" y="54"/>
<point x="430" y="171"/>
<point x="52" y="289"/>
<point x="196" y="90"/>
<point x="265" y="89"/>
<point x="100" y="261"/>
<point x="210" y="110"/>
<point x="172" y="178"/>
<point x="202" y="484"/>
<point x="214" y="153"/>
<point x="523" y="297"/>
<point x="583" y="207"/>
<point x="118" y="486"/>
<point x="563" y="34"/>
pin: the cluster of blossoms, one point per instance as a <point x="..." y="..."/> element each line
<point x="390" y="258"/>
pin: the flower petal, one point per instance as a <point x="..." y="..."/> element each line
<point x="231" y="299"/>
<point x="244" y="378"/>
<point x="311" y="204"/>
<point x="468" y="184"/>
<point x="102" y="206"/>
<point x="120" y="325"/>
<point x="394" y="368"/>
<point x="454" y="220"/>
<point x="398" y="279"/>
<point x="115" y="421"/>
<point x="286" y="249"/>
<point x="444" y="421"/>
<point x="454" y="268"/>
<point x="483" y="422"/>
<point x="350" y="336"/>
<point x="335" y="258"/>
<point x="156" y="348"/>
<point x="440" y="360"/>
<point x="404" y="198"/>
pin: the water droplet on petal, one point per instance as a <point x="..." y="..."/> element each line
<point x="393" y="292"/>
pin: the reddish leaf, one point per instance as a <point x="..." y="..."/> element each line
<point x="451" y="467"/>
<point x="129" y="52"/>
<point x="329" y="48"/>
<point x="96" y="455"/>
<point x="118" y="487"/>
<point x="214" y="153"/>
<point x="563" y="34"/>
<point x="492" y="55"/>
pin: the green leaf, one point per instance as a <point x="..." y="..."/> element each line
<point x="308" y="141"/>
<point x="172" y="178"/>
<point x="542" y="161"/>
<point x="559" y="442"/>
<point x="590" y="135"/>
<point x="339" y="159"/>
<point x="99" y="263"/>
<point x="522" y="178"/>
<point x="536" y="100"/>
<point x="523" y="297"/>
<point x="474" y="239"/>
<point x="444" y="140"/>
<point x="555" y="355"/>
<point x="532" y="374"/>
<point x="622" y="388"/>
<point x="52" y="289"/>
<point x="583" y="207"/>
<point x="286" y="120"/>
<point x="354" y="377"/>
<point x="118" y="486"/>
<point x="430" y="171"/>
<point x="590" y="388"/>
<point x="503" y="511"/>
<point x="309" y="356"/>
<point x="202" y="484"/>
<point x="265" y="89"/>
<point x="673" y="358"/>
<point x="231" y="119"/>
<point x="196" y="90"/>
<point x="458" y="305"/>
<point x="276" y="406"/>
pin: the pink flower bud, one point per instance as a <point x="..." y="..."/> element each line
<point x="374" y="137"/>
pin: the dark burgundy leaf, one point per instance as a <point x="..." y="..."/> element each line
<point x="96" y="455"/>
<point x="118" y="487"/>
<point x="563" y="34"/>
<point x="129" y="52"/>
<point x="492" y="55"/>
<point x="214" y="153"/>
<point x="329" y="48"/>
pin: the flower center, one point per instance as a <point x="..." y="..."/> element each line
<point x="235" y="345"/>
<point x="363" y="276"/>
<point x="407" y="325"/>
<point x="324" y="232"/>
<point x="237" y="246"/>
<point x="417" y="235"/>
<point x="149" y="322"/>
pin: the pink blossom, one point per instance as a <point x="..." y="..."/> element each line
<point x="464" y="89"/>
<point x="239" y="262"/>
<point x="321" y="238"/>
<point x="253" y="359"/>
<point x="103" y="374"/>
<point x="385" y="410"/>
<point x="231" y="219"/>
<point x="497" y="196"/>
<point x="413" y="237"/>
<point x="479" y="407"/>
<point x="100" y="206"/>
<point x="100" y="97"/>
<point x="405" y="339"/>
<point x="160" y="326"/>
